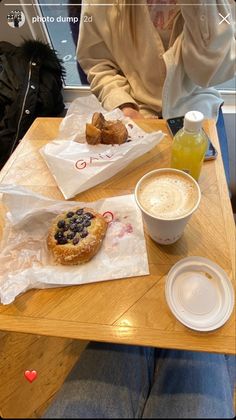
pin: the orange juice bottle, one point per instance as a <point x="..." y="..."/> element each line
<point x="189" y="145"/>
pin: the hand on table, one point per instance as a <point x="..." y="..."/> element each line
<point x="132" y="113"/>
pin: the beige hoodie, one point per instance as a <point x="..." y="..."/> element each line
<point x="201" y="54"/>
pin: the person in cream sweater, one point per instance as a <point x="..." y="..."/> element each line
<point x="158" y="62"/>
<point x="159" y="58"/>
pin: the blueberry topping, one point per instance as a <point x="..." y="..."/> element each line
<point x="70" y="214"/>
<point x="58" y="235"/>
<point x="79" y="219"/>
<point x="73" y="226"/>
<point x="75" y="241"/>
<point x="89" y="215"/>
<point x="79" y="228"/>
<point x="84" y="234"/>
<point x="70" y="235"/>
<point x="62" y="241"/>
<point x="87" y="223"/>
<point x="66" y="227"/>
<point x="61" y="223"/>
<point x="79" y="212"/>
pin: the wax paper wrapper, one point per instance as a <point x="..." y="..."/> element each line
<point x="78" y="166"/>
<point x="25" y="262"/>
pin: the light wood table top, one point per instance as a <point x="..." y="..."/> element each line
<point x="134" y="310"/>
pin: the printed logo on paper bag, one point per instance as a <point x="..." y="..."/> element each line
<point x="82" y="163"/>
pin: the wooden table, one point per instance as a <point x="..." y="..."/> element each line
<point x="134" y="310"/>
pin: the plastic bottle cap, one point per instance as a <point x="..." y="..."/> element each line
<point x="193" y="121"/>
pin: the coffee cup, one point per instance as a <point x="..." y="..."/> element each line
<point x="167" y="198"/>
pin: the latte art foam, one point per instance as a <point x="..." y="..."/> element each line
<point x="167" y="195"/>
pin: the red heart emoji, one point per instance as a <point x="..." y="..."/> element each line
<point x="30" y="375"/>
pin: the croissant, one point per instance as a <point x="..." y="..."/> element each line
<point x="114" y="133"/>
<point x="106" y="132"/>
<point x="93" y="134"/>
<point x="98" y="120"/>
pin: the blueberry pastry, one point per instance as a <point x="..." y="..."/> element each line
<point x="76" y="235"/>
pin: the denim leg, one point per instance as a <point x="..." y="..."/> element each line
<point x="231" y="365"/>
<point x="190" y="385"/>
<point x="220" y="125"/>
<point x="109" y="381"/>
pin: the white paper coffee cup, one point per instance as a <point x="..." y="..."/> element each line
<point x="167" y="228"/>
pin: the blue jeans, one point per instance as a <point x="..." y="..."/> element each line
<point x="220" y="126"/>
<point x="119" y="381"/>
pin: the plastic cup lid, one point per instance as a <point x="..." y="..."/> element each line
<point x="199" y="293"/>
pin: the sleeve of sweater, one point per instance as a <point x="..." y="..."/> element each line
<point x="106" y="80"/>
<point x="208" y="46"/>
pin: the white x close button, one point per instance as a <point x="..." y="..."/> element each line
<point x="224" y="18"/>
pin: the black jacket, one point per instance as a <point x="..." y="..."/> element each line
<point x="31" y="78"/>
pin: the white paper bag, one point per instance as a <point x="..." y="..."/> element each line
<point x="25" y="262"/>
<point x="78" y="166"/>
